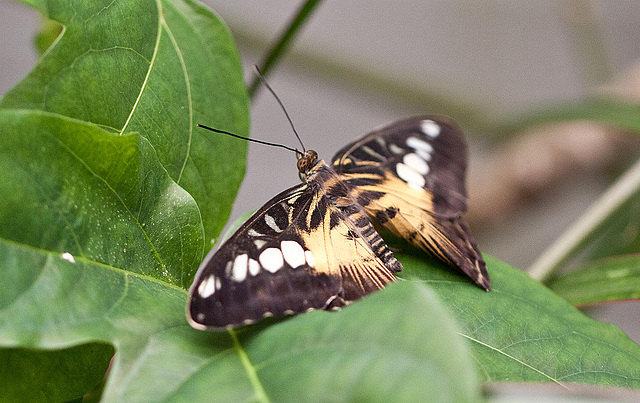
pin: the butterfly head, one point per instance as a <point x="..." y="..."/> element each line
<point x="306" y="161"/>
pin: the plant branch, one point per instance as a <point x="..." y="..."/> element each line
<point x="582" y="230"/>
<point x="283" y="42"/>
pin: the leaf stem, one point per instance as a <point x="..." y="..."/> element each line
<point x="581" y="231"/>
<point x="261" y="395"/>
<point x="283" y="42"/>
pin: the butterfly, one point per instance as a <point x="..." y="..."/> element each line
<point x="314" y="246"/>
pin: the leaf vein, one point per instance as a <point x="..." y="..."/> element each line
<point x="155" y="252"/>
<point x="151" y="65"/>
<point x="513" y="358"/>
<point x="249" y="368"/>
<point x="189" y="96"/>
<point x="103" y="265"/>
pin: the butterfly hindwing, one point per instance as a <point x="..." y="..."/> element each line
<point x="409" y="177"/>
<point x="307" y="248"/>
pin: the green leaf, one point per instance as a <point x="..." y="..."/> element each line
<point x="156" y="68"/>
<point x="72" y="187"/>
<point x="394" y="345"/>
<point x="614" y="279"/>
<point x="522" y="331"/>
<point x="48" y="32"/>
<point x="86" y="302"/>
<point x="68" y="372"/>
<point x="73" y="192"/>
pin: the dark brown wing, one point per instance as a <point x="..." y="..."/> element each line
<point x="409" y="177"/>
<point x="301" y="251"/>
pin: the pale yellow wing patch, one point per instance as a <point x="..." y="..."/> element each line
<point x="343" y="252"/>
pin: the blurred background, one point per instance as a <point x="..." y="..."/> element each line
<point x="359" y="64"/>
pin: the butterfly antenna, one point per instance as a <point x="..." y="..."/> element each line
<point x="266" y="84"/>
<point x="250" y="139"/>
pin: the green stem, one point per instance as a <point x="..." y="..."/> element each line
<point x="283" y="42"/>
<point x="261" y="395"/>
<point x="585" y="227"/>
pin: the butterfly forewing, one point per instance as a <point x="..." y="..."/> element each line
<point x="308" y="248"/>
<point x="409" y="177"/>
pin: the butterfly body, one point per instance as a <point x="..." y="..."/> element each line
<point x="314" y="246"/>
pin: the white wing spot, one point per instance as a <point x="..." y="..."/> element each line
<point x="423" y="154"/>
<point x="253" y="232"/>
<point x="418" y="144"/>
<point x="239" y="272"/>
<point x="373" y="153"/>
<point x="293" y="253"/>
<point x="254" y="267"/>
<point x="329" y="301"/>
<point x="228" y="267"/>
<point x="311" y="262"/>
<point x="271" y="259"/>
<point x="415" y="186"/>
<point x="430" y="128"/>
<point x="259" y="243"/>
<point x="207" y="287"/>
<point x="417" y="163"/>
<point x="395" y="149"/>
<point x="271" y="222"/>
<point x="410" y="175"/>
<point x="68" y="257"/>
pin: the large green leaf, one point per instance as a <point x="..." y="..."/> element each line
<point x="72" y="187"/>
<point x="614" y="279"/>
<point x="521" y="331"/>
<point x="76" y="192"/>
<point x="156" y="68"/>
<point x="69" y="371"/>
<point x="392" y="346"/>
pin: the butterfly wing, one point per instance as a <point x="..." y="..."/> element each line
<point x="409" y="176"/>
<point x="298" y="253"/>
